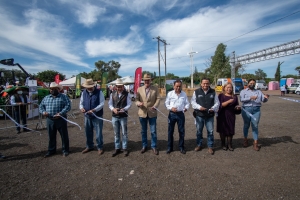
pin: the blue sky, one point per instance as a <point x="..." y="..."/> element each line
<point x="70" y="36"/>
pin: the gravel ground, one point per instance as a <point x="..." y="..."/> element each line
<point x="271" y="173"/>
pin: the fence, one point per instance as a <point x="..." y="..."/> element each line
<point x="34" y="119"/>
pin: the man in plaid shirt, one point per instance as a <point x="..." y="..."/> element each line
<point x="53" y="106"/>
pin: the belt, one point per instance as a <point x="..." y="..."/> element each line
<point x="176" y="112"/>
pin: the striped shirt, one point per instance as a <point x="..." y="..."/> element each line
<point x="52" y="105"/>
<point x="247" y="93"/>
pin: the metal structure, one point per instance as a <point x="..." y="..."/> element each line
<point x="286" y="49"/>
<point x="191" y="53"/>
<point x="165" y="60"/>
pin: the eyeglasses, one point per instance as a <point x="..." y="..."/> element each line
<point x="119" y="86"/>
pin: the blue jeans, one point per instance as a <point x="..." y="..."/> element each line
<point x="209" y="124"/>
<point x="117" y="124"/>
<point x="180" y="120"/>
<point x="255" y="111"/>
<point x="152" y="124"/>
<point x="91" y="124"/>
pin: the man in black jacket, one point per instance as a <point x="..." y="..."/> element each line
<point x="205" y="103"/>
<point x="119" y="103"/>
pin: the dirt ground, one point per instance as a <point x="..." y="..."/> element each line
<point x="271" y="173"/>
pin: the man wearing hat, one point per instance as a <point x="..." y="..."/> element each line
<point x="91" y="104"/>
<point x="53" y="106"/>
<point x="119" y="103"/>
<point x="148" y="99"/>
<point x="19" y="100"/>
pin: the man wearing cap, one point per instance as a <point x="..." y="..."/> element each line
<point x="55" y="106"/>
<point x="91" y="104"/>
<point x="119" y="103"/>
<point x="148" y="99"/>
<point x="19" y="101"/>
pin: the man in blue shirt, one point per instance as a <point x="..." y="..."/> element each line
<point x="91" y="104"/>
<point x="53" y="106"/>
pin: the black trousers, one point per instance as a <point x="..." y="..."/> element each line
<point x="20" y="113"/>
<point x="60" y="125"/>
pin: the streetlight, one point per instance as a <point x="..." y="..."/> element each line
<point x="191" y="53"/>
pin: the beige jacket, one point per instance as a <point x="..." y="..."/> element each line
<point x="152" y="100"/>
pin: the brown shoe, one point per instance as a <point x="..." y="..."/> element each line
<point x="211" y="151"/>
<point x="155" y="151"/>
<point x="87" y="150"/>
<point x="144" y="150"/>
<point x="100" y="151"/>
<point x="198" y="148"/>
<point x="245" y="144"/>
<point x="256" y="147"/>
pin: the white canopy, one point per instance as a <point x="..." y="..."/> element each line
<point x="126" y="80"/>
<point x="71" y="82"/>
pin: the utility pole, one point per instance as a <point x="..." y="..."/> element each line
<point x="165" y="43"/>
<point x="192" y="66"/>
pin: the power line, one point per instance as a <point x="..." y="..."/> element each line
<point x="234" y="37"/>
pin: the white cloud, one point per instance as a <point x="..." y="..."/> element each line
<point x="88" y="14"/>
<point x="40" y="31"/>
<point x="105" y="46"/>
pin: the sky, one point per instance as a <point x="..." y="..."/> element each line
<point x="70" y="36"/>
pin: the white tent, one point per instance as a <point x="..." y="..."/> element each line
<point x="127" y="80"/>
<point x="71" y="82"/>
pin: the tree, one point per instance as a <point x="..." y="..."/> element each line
<point x="260" y="74"/>
<point x="220" y="66"/>
<point x="171" y="76"/>
<point x="290" y="76"/>
<point x="298" y="70"/>
<point x="48" y="76"/>
<point x="112" y="68"/>
<point x="249" y="76"/>
<point x="278" y="72"/>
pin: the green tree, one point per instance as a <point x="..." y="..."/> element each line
<point x="290" y="76"/>
<point x="260" y="74"/>
<point x="278" y="72"/>
<point x="248" y="76"/>
<point x="171" y="76"/>
<point x="112" y="68"/>
<point x="220" y="66"/>
<point x="48" y="76"/>
<point x="298" y="70"/>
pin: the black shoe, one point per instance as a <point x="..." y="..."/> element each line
<point x="117" y="151"/>
<point x="182" y="151"/>
<point x="18" y="132"/>
<point x="48" y="154"/>
<point x="169" y="151"/>
<point x="25" y="130"/>
<point x="126" y="152"/>
<point x="65" y="154"/>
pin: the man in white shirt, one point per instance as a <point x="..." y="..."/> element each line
<point x="177" y="103"/>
